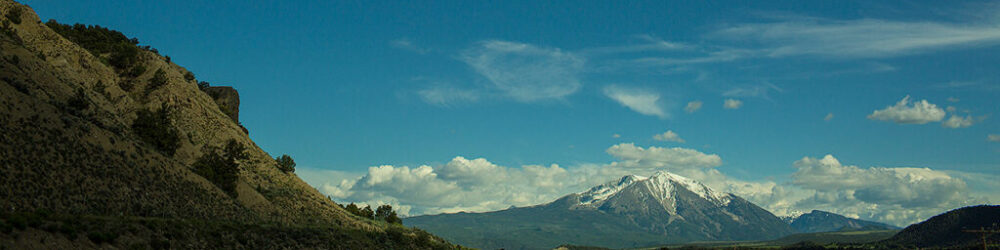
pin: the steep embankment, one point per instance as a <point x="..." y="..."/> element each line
<point x="69" y="143"/>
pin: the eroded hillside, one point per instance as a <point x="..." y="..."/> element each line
<point x="69" y="143"/>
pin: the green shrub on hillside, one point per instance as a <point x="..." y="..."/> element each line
<point x="352" y="208"/>
<point x="189" y="76"/>
<point x="203" y="85"/>
<point x="159" y="79"/>
<point x="136" y="71"/>
<point x="285" y="163"/>
<point x="382" y="213"/>
<point x="79" y="102"/>
<point x="113" y="47"/>
<point x="367" y="212"/>
<point x="222" y="168"/>
<point x="385" y="213"/>
<point x="155" y="128"/>
<point x="14" y="14"/>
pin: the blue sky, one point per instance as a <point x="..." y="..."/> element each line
<point x="343" y="86"/>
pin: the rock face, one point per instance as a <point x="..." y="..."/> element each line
<point x="228" y="100"/>
<point x="822" y="221"/>
<point x="633" y="211"/>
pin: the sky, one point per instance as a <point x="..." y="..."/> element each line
<point x="882" y="111"/>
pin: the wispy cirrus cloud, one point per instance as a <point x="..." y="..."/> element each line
<point x="448" y="96"/>
<point x="648" y="43"/>
<point x="524" y="72"/>
<point x="692" y="106"/>
<point x="406" y="44"/>
<point x="638" y="100"/>
<point x="861" y="38"/>
<point x="759" y="90"/>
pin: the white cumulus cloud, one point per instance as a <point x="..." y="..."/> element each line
<point x="667" y="158"/>
<point x="900" y="195"/>
<point x="828" y="117"/>
<point x="732" y="104"/>
<point x="993" y="138"/>
<point x="641" y="101"/>
<point x="668" y="136"/>
<point x="958" y="122"/>
<point x="692" y="106"/>
<point x="905" y="112"/>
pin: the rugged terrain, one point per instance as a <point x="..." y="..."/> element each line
<point x="72" y="148"/>
<point x="633" y="211"/>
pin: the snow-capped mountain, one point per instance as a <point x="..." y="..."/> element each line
<point x="661" y="185"/>
<point x="676" y="206"/>
<point x="631" y="211"/>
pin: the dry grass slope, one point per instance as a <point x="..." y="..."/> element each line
<point x="66" y="144"/>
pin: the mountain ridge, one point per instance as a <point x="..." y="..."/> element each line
<point x="632" y="211"/>
<point x="821" y="221"/>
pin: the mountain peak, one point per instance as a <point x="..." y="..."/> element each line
<point x="662" y="185"/>
<point x="664" y="178"/>
<point x="625" y="212"/>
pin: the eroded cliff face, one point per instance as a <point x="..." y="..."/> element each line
<point x="66" y="142"/>
<point x="228" y="100"/>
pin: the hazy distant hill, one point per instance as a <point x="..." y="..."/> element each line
<point x="104" y="141"/>
<point x="945" y="229"/>
<point x="630" y="212"/>
<point x="822" y="221"/>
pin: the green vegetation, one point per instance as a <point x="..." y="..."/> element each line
<point x="136" y="71"/>
<point x="79" y="102"/>
<point x="222" y="169"/>
<point x="382" y="213"/>
<point x="385" y="213"/>
<point x="14" y="14"/>
<point x="285" y="163"/>
<point x="189" y="76"/>
<point x="155" y="128"/>
<point x="158" y="80"/>
<point x="111" y="46"/>
<point x="203" y="85"/>
<point x="127" y="232"/>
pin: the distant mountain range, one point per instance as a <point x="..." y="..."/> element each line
<point x="822" y="221"/>
<point x="633" y="211"/>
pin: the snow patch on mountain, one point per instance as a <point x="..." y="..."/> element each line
<point x="663" y="185"/>
<point x="603" y="191"/>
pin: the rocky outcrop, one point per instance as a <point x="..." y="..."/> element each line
<point x="228" y="100"/>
